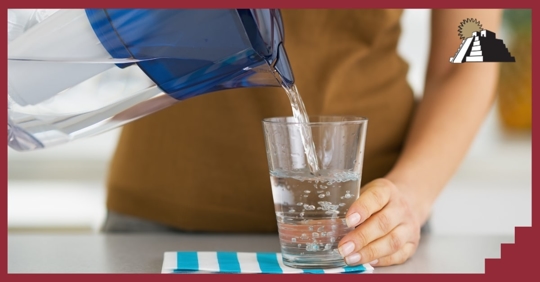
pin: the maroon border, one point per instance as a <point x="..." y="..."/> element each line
<point x="517" y="260"/>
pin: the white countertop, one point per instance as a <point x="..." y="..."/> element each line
<point x="143" y="253"/>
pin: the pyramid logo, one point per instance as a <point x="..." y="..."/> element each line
<point x="479" y="45"/>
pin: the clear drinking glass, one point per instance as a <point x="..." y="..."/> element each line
<point x="311" y="206"/>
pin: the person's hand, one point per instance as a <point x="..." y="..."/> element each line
<point x="387" y="230"/>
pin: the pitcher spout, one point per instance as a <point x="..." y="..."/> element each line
<point x="267" y="39"/>
<point x="283" y="67"/>
<point x="270" y="25"/>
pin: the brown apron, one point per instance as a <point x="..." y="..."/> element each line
<point x="201" y="164"/>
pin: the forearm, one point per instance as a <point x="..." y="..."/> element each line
<point x="445" y="124"/>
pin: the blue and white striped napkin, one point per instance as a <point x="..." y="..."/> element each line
<point x="241" y="262"/>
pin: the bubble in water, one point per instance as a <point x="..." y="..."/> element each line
<point x="310" y="228"/>
<point x="323" y="234"/>
<point x="312" y="247"/>
<point x="293" y="240"/>
<point x="299" y="203"/>
<point x="301" y="214"/>
<point x="327" y="193"/>
<point x="307" y="191"/>
<point x="309" y="207"/>
<point x="327" y="206"/>
<point x="334" y="227"/>
<point x="315" y="235"/>
<point x="305" y="196"/>
<point x="327" y="247"/>
<point x="344" y="221"/>
<point x="291" y="210"/>
<point x="304" y="236"/>
<point x="341" y="204"/>
<point x="332" y="239"/>
<point x="299" y="245"/>
<point x="318" y="192"/>
<point x="320" y="229"/>
<point x="321" y="196"/>
<point x="323" y="186"/>
<point x="319" y="208"/>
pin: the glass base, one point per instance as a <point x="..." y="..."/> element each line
<point x="314" y="263"/>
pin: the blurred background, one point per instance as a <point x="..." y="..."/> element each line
<point x="63" y="188"/>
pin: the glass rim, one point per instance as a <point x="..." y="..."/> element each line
<point x="345" y="119"/>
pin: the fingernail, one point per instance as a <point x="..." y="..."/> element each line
<point x="353" y="220"/>
<point x="352" y="259"/>
<point x="374" y="262"/>
<point x="346" y="249"/>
